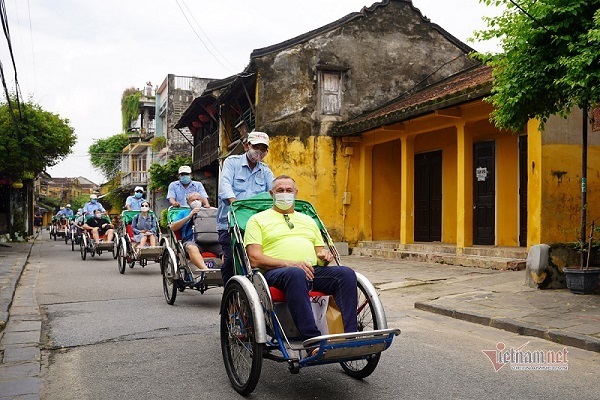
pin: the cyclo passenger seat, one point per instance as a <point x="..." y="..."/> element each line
<point x="278" y="296"/>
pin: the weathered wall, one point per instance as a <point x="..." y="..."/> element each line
<point x="384" y="54"/>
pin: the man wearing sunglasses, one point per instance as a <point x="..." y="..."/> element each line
<point x="289" y="249"/>
<point x="134" y="202"/>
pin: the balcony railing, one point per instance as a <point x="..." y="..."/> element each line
<point x="207" y="151"/>
<point x="135" y="178"/>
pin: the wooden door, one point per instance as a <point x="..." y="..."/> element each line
<point x="484" y="193"/>
<point x="428" y="197"/>
<point x="523" y="191"/>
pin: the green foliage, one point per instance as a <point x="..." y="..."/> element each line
<point x="158" y="143"/>
<point x="41" y="140"/>
<point x="105" y="154"/>
<point x="162" y="175"/>
<point x="129" y="106"/>
<point x="551" y="59"/>
<point x="163" y="222"/>
<point x="79" y="201"/>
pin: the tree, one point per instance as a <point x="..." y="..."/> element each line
<point x="550" y="63"/>
<point x="129" y="106"/>
<point x="162" y="175"/>
<point x="105" y="154"/>
<point x="551" y="59"/>
<point x="32" y="140"/>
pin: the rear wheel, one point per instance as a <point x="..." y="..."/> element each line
<point x="167" y="268"/>
<point x="72" y="241"/>
<point x="365" y="315"/>
<point x="242" y="355"/>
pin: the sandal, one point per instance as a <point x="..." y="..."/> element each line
<point x="312" y="351"/>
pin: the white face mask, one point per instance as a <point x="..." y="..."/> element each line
<point x="144" y="208"/>
<point x="196" y="204"/>
<point x="283" y="201"/>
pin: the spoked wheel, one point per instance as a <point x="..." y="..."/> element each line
<point x="72" y="242"/>
<point x="167" y="268"/>
<point x="241" y="354"/>
<point x="122" y="256"/>
<point x="365" y="315"/>
<point x="82" y="248"/>
<point x="115" y="249"/>
<point x="66" y="238"/>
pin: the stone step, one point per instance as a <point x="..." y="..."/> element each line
<point x="486" y="251"/>
<point x="466" y="260"/>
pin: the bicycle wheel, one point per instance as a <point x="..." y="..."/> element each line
<point x="365" y="315"/>
<point x="122" y="255"/>
<point x="167" y="268"/>
<point x="242" y="355"/>
<point x="83" y="247"/>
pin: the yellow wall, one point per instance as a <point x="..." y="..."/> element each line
<point x="386" y="189"/>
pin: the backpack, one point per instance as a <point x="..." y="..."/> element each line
<point x="204" y="226"/>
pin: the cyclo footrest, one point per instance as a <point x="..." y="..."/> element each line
<point x="354" y="344"/>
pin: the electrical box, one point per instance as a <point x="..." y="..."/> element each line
<point x="346" y="198"/>
<point x="348" y="151"/>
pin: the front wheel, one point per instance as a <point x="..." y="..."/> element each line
<point x="365" y="315"/>
<point x="122" y="256"/>
<point x="115" y="247"/>
<point x="242" y="355"/>
<point x="82" y="247"/>
<point x="72" y="242"/>
<point x="167" y="268"/>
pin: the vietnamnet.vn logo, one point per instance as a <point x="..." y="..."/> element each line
<point x="527" y="360"/>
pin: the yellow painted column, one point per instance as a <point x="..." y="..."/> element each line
<point x="534" y="183"/>
<point x="366" y="191"/>
<point x="464" y="188"/>
<point x="407" y="195"/>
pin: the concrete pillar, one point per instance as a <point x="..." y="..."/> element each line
<point x="407" y="194"/>
<point x="464" y="188"/>
<point x="366" y="192"/>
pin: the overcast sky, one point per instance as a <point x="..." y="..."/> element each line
<point x="75" y="57"/>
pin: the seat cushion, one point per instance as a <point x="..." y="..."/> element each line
<point x="278" y="296"/>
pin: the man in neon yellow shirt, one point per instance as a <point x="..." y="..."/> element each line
<point x="288" y="248"/>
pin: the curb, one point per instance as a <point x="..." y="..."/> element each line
<point x="514" y="326"/>
<point x="7" y="297"/>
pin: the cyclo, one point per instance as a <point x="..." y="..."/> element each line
<point x="73" y="233"/>
<point x="127" y="254"/>
<point x="176" y="269"/>
<point x="59" y="227"/>
<point x="87" y="244"/>
<point x="256" y="323"/>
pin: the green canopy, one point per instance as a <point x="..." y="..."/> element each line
<point x="128" y="215"/>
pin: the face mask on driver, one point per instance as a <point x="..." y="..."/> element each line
<point x="138" y="195"/>
<point x="196" y="204"/>
<point x="93" y="201"/>
<point x="255" y="155"/>
<point x="185" y="179"/>
<point x="283" y="201"/>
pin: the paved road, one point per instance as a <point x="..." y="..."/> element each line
<point x="112" y="336"/>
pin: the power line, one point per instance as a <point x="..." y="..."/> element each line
<point x="4" y="18"/>
<point x="205" y="35"/>
<point x="198" y="36"/>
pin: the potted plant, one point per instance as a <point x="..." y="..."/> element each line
<point x="583" y="280"/>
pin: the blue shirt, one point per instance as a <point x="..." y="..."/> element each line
<point x="237" y="180"/>
<point x="140" y="223"/>
<point x="67" y="212"/>
<point x="89" y="208"/>
<point x="178" y="192"/>
<point x="134" y="203"/>
<point x="186" y="230"/>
